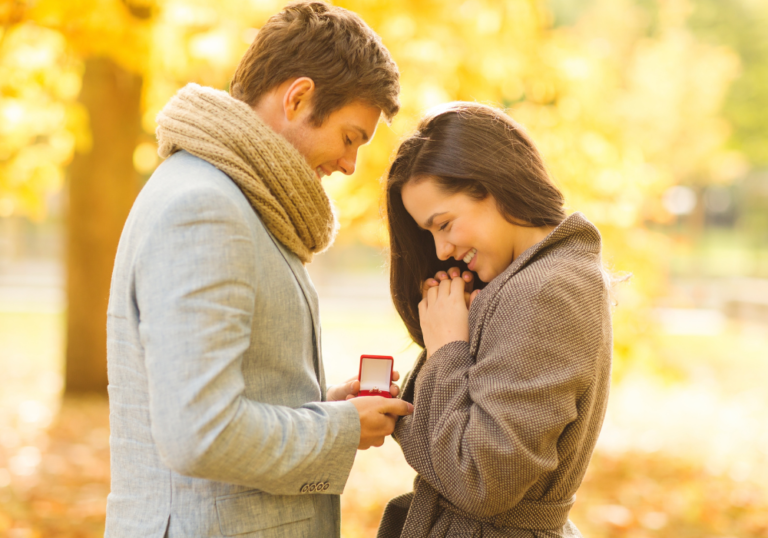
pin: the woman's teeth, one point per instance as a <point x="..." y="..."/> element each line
<point x="470" y="255"/>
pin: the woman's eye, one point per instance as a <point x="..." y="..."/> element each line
<point x="347" y="141"/>
<point x="443" y="226"/>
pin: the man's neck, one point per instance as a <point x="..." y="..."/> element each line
<point x="270" y="112"/>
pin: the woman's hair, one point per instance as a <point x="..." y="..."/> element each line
<point x="465" y="148"/>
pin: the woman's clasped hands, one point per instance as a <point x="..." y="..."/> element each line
<point x="444" y="309"/>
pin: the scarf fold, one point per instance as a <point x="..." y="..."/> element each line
<point x="277" y="181"/>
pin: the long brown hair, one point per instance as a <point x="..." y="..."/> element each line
<point x="476" y="150"/>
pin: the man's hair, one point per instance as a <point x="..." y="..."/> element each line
<point x="334" y="47"/>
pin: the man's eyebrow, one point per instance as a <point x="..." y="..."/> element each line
<point x="361" y="131"/>
<point x="430" y="220"/>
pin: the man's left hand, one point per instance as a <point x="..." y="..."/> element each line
<point x="351" y="387"/>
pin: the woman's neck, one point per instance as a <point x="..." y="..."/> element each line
<point x="526" y="237"/>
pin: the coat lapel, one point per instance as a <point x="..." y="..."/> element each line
<point x="484" y="304"/>
<point x="310" y="295"/>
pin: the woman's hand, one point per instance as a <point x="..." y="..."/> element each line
<point x="443" y="315"/>
<point x="467" y="276"/>
<point x="350" y="388"/>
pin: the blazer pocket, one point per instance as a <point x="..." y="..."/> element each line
<point x="252" y="511"/>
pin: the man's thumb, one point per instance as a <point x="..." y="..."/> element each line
<point x="397" y="407"/>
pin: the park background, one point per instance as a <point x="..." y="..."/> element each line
<point x="651" y="115"/>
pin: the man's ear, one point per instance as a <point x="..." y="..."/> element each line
<point x="297" y="98"/>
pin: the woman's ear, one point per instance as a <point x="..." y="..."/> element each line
<point x="297" y="98"/>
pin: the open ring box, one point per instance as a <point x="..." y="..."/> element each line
<point x="375" y="375"/>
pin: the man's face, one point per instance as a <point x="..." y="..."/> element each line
<point x="333" y="146"/>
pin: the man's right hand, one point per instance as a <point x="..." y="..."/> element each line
<point x="377" y="418"/>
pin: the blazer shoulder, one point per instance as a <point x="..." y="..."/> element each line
<point x="184" y="186"/>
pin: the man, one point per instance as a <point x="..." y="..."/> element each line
<point x="220" y="424"/>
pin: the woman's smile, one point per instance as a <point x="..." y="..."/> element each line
<point x="458" y="221"/>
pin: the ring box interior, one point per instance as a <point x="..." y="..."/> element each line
<point x="375" y="375"/>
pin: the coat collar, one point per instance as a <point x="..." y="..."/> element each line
<point x="575" y="232"/>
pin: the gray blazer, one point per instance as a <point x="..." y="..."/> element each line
<point x="504" y="425"/>
<point x="216" y="384"/>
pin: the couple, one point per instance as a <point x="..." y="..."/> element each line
<point x="221" y="424"/>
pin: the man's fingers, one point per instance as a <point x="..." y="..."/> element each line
<point x="396" y="407"/>
<point x="343" y="391"/>
<point x="395" y="375"/>
<point x="394" y="390"/>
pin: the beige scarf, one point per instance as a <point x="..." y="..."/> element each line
<point x="272" y="174"/>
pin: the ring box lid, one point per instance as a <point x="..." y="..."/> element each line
<point x="375" y="375"/>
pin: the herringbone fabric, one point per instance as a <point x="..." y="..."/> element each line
<point x="504" y="426"/>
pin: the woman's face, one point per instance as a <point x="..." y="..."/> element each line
<point x="463" y="228"/>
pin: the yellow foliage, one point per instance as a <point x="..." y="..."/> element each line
<point x="619" y="113"/>
<point x="39" y="119"/>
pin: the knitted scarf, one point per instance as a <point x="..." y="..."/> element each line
<point x="273" y="175"/>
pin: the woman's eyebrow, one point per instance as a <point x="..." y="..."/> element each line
<point x="431" y="219"/>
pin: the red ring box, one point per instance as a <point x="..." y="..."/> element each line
<point x="375" y="375"/>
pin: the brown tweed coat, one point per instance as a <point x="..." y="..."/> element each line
<point x="504" y="426"/>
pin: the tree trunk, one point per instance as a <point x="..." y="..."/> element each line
<point x="102" y="187"/>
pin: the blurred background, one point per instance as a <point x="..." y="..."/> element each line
<point x="651" y="115"/>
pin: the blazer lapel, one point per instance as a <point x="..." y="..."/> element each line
<point x="310" y="295"/>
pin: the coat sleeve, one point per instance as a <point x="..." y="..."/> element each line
<point x="484" y="431"/>
<point x="197" y="277"/>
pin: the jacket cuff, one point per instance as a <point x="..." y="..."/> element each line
<point x="342" y="453"/>
<point x="447" y="361"/>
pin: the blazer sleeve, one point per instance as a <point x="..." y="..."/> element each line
<point x="484" y="431"/>
<point x="196" y="282"/>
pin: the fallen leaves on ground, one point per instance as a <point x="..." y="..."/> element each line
<point x="55" y="486"/>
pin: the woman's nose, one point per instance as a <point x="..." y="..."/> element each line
<point x="444" y="249"/>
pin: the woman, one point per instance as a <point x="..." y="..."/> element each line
<point x="510" y="392"/>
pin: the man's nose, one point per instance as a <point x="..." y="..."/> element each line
<point x="347" y="163"/>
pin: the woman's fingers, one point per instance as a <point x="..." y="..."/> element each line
<point x="444" y="289"/>
<point x="472" y="297"/>
<point x="446" y="276"/>
<point x="428" y="283"/>
<point x="457" y="287"/>
<point x="469" y="278"/>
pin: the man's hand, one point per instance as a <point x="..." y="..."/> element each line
<point x="377" y="418"/>
<point x="351" y="387"/>
<point x="467" y="276"/>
